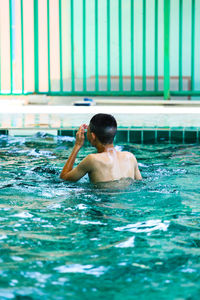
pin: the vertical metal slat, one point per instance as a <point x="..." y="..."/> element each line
<point x="96" y="48"/>
<point x="11" y="47"/>
<point x="144" y="46"/>
<point x="60" y="40"/>
<point x="0" y="65"/>
<point x="180" y="44"/>
<point x="48" y="46"/>
<point x="84" y="45"/>
<point x="120" y="48"/>
<point x="193" y="47"/>
<point x="22" y="44"/>
<point x="36" y="53"/>
<point x="166" y="49"/>
<point x="156" y="46"/>
<point x="72" y="47"/>
<point x="108" y="46"/>
<point x="132" y="46"/>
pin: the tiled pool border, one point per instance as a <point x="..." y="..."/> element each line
<point x="126" y="135"/>
<point x="150" y="135"/>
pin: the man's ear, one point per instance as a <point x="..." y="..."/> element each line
<point x="93" y="136"/>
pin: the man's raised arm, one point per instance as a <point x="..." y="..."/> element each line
<point x="68" y="173"/>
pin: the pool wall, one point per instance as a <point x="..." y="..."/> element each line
<point x="136" y="124"/>
<point x="150" y="135"/>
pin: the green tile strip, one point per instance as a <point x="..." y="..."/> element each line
<point x="66" y="132"/>
<point x="177" y="136"/>
<point x="135" y="136"/>
<point x="148" y="136"/>
<point x="3" y="132"/>
<point x="122" y="136"/>
<point x="198" y="136"/>
<point x="163" y="135"/>
<point x="143" y="135"/>
<point x="190" y="136"/>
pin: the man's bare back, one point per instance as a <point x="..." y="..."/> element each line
<point x="107" y="164"/>
<point x="113" y="165"/>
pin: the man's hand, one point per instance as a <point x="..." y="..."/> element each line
<point x="80" y="135"/>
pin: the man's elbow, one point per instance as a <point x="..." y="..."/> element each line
<point x="62" y="176"/>
<point x="138" y="175"/>
<point x="66" y="177"/>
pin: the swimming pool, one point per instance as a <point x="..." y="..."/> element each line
<point x="60" y="240"/>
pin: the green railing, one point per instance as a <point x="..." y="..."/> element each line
<point x="101" y="47"/>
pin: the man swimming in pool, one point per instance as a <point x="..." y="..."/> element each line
<point x="107" y="164"/>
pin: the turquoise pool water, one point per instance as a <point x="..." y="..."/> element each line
<point x="60" y="240"/>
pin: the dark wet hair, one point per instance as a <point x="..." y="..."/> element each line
<point x="105" y="128"/>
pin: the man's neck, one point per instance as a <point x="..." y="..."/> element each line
<point x="105" y="148"/>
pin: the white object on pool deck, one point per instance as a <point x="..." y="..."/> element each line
<point x="43" y="109"/>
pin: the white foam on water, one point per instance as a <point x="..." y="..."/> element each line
<point x="67" y="138"/>
<point x="39" y="220"/>
<point x="23" y="214"/>
<point x="33" y="152"/>
<point x="3" y="236"/>
<point x="17" y="258"/>
<point x="48" y="226"/>
<point x="141" y="266"/>
<point x="17" y="225"/>
<point x="86" y="269"/>
<point x="42" y="278"/>
<point x="4" y="294"/>
<point x="90" y="222"/>
<point x="119" y="148"/>
<point x="81" y="206"/>
<point x="68" y="208"/>
<point x="54" y="206"/>
<point x="13" y="282"/>
<point x="143" y="165"/>
<point x="126" y="244"/>
<point x="147" y="226"/>
<point x="188" y="270"/>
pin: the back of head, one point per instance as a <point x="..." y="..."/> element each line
<point x="105" y="127"/>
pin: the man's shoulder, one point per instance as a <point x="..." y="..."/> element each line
<point x="91" y="162"/>
<point x="87" y="163"/>
<point x="90" y="158"/>
<point x="93" y="157"/>
<point x="129" y="155"/>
